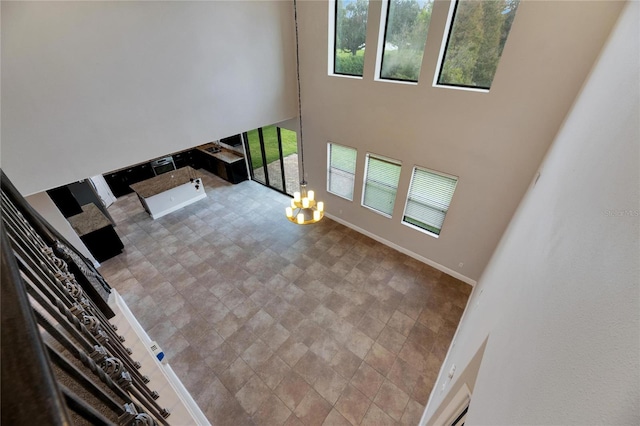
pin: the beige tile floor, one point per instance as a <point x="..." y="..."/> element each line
<point x="267" y="322"/>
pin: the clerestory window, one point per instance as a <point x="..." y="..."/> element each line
<point x="478" y="31"/>
<point x="405" y="35"/>
<point x="350" y="31"/>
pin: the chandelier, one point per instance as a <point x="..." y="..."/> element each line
<point x="304" y="208"/>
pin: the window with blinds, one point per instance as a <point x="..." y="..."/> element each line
<point x="380" y="184"/>
<point x="342" y="170"/>
<point x="428" y="200"/>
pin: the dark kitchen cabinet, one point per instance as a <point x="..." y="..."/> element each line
<point x="119" y="181"/>
<point x="232" y="172"/>
<point x="187" y="158"/>
<point x="209" y="163"/>
<point x="103" y="243"/>
<point x="235" y="140"/>
<point x="142" y="172"/>
<point x="96" y="232"/>
<point x="204" y="160"/>
<point x="221" y="169"/>
<point x="237" y="171"/>
<point x="65" y="201"/>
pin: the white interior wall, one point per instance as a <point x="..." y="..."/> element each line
<point x="493" y="141"/>
<point x="89" y="87"/>
<point x="559" y="299"/>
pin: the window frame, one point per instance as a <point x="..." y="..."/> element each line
<point x="365" y="180"/>
<point x="382" y="37"/>
<point x="333" y="42"/>
<point x="406" y="204"/>
<point x="443" y="50"/>
<point x="329" y="168"/>
<point x="381" y="44"/>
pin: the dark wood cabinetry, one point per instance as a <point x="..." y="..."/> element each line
<point x="238" y="171"/>
<point x="187" y="158"/>
<point x="117" y="184"/>
<point x="119" y="181"/>
<point x="103" y="243"/>
<point x="234" y="172"/>
<point x="205" y="161"/>
<point x="65" y="201"/>
<point x="221" y="170"/>
<point x="235" y="140"/>
<point x="96" y="232"/>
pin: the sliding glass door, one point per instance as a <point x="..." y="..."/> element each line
<point x="273" y="158"/>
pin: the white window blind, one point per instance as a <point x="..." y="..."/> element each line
<point x="428" y="200"/>
<point x="342" y="170"/>
<point x="381" y="184"/>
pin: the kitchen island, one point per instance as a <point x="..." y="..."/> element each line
<point x="96" y="232"/>
<point x="168" y="192"/>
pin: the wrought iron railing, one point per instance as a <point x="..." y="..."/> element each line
<point x="62" y="361"/>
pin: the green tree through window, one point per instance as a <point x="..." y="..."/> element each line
<point x="476" y="40"/>
<point x="351" y="32"/>
<point x="405" y="36"/>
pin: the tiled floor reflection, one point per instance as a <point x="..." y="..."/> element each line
<point x="267" y="322"/>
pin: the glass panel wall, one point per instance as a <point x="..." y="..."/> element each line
<point x="254" y="148"/>
<point x="272" y="149"/>
<point x="290" y="160"/>
<point x="273" y="155"/>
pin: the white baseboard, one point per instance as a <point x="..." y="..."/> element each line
<point x="401" y="249"/>
<point x="191" y="408"/>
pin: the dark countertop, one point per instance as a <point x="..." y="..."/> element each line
<point x="164" y="182"/>
<point x="91" y="219"/>
<point x="225" y="154"/>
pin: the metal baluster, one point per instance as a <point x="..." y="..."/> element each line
<point x="50" y="259"/>
<point x="62" y="290"/>
<point x="83" y="409"/>
<point x="23" y="358"/>
<point x="95" y="389"/>
<point x="33" y="236"/>
<point x="116" y="378"/>
<point x="78" y="309"/>
<point x="69" y="320"/>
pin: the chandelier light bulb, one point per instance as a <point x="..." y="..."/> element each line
<point x="289" y="211"/>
